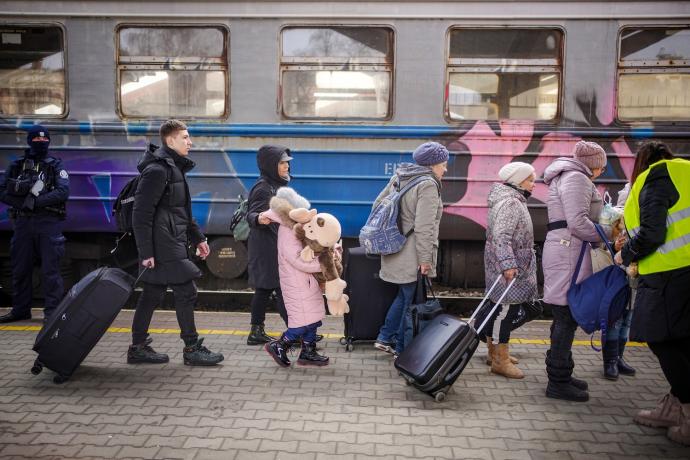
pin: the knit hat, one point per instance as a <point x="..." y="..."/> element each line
<point x="37" y="131"/>
<point x="515" y="172"/>
<point x="430" y="153"/>
<point x="590" y="154"/>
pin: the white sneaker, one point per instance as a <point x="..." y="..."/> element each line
<point x="383" y="346"/>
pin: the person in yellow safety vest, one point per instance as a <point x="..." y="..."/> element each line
<point x="657" y="217"/>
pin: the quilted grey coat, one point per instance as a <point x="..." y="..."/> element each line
<point x="510" y="244"/>
<point x="573" y="198"/>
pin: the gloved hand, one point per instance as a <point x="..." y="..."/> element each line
<point x="29" y="202"/>
<point x="37" y="188"/>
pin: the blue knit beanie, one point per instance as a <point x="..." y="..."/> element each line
<point x="430" y="153"/>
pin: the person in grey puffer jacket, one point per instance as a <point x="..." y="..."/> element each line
<point x="574" y="205"/>
<point x="420" y="210"/>
<point x="509" y="253"/>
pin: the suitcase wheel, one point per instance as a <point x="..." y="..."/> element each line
<point x="343" y="341"/>
<point x="58" y="379"/>
<point x="37" y="367"/>
<point x="440" y="396"/>
<point x="349" y="347"/>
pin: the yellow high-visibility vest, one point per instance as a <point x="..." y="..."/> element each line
<point x="675" y="252"/>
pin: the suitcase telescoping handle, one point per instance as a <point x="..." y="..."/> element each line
<point x="486" y="297"/>
<point x="136" y="281"/>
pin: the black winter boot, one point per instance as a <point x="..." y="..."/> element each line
<point x="143" y="353"/>
<point x="258" y="336"/>
<point x="560" y="384"/>
<point x="198" y="355"/>
<point x="577" y="383"/>
<point x="623" y="367"/>
<point x="610" y="354"/>
<point x="278" y="349"/>
<point x="309" y="357"/>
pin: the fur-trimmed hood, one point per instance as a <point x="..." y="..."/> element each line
<point x="286" y="200"/>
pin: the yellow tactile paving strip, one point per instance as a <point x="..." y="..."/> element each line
<point x="240" y="332"/>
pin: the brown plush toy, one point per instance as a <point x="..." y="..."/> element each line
<point x="618" y="228"/>
<point x="320" y="234"/>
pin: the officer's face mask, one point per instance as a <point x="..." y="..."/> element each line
<point x="38" y="148"/>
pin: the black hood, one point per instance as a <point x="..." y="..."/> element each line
<point x="165" y="153"/>
<point x="268" y="158"/>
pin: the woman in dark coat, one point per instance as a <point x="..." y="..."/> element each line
<point x="661" y="317"/>
<point x="274" y="167"/>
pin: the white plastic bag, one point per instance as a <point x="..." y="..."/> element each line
<point x="609" y="214"/>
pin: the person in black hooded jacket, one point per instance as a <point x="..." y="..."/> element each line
<point x="274" y="167"/>
<point x="163" y="227"/>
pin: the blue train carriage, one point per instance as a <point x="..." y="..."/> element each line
<point x="352" y="91"/>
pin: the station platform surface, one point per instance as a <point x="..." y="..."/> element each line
<point x="357" y="407"/>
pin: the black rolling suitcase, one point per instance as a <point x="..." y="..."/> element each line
<point x="80" y="320"/>
<point x="369" y="295"/>
<point x="439" y="354"/>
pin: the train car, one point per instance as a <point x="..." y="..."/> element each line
<point x="350" y="87"/>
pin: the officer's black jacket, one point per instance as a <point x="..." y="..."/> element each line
<point x="162" y="217"/>
<point x="51" y="199"/>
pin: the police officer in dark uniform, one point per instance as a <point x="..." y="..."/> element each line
<point x="36" y="188"/>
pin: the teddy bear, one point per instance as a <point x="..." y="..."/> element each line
<point x="320" y="233"/>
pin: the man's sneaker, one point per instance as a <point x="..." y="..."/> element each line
<point x="257" y="335"/>
<point x="143" y="353"/>
<point x="278" y="349"/>
<point x="309" y="357"/>
<point x="199" y="355"/>
<point x="384" y="346"/>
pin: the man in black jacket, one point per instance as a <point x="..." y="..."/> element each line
<point x="163" y="227"/>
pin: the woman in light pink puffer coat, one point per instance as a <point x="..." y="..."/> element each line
<point x="573" y="205"/>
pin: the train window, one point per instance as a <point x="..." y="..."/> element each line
<point x="654" y="74"/>
<point x="32" y="71"/>
<point x="172" y="71"/>
<point x="336" y="72"/>
<point x="504" y="73"/>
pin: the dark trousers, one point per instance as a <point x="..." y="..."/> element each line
<point x="36" y="238"/>
<point x="152" y="296"/>
<point x="674" y="358"/>
<point x="259" y="302"/>
<point x="559" y="357"/>
<point x="306" y="333"/>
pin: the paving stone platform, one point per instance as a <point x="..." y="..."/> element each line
<point x="356" y="408"/>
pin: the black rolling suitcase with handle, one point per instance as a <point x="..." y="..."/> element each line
<point x="80" y="320"/>
<point x="370" y="297"/>
<point x="439" y="354"/>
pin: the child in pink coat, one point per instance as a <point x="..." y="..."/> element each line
<point x="301" y="292"/>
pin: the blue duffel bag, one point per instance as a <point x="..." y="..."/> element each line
<point x="600" y="300"/>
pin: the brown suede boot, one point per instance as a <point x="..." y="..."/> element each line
<point x="665" y="414"/>
<point x="490" y="352"/>
<point x="681" y="432"/>
<point x="501" y="363"/>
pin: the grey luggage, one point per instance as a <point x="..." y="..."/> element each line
<point x="438" y="355"/>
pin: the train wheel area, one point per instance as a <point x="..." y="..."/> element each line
<point x="356" y="406"/>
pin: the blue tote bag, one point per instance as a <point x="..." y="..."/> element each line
<point x="600" y="300"/>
